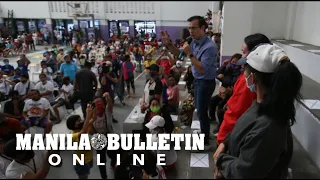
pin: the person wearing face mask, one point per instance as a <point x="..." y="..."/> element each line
<point x="68" y="68"/>
<point x="154" y="110"/>
<point x="24" y="86"/>
<point x="36" y="111"/>
<point x="79" y="127"/>
<point x="165" y="60"/>
<point x="152" y="89"/>
<point x="177" y="70"/>
<point x="261" y="143"/>
<point x="229" y="72"/>
<point x="156" y="126"/>
<point x="103" y="125"/>
<point x="242" y="97"/>
<point x="7" y="68"/>
<point x="27" y="164"/>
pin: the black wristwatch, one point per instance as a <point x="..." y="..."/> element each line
<point x="191" y="55"/>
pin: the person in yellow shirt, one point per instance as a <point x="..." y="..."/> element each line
<point x="147" y="63"/>
<point x="152" y="50"/>
<point x="60" y="58"/>
<point x="79" y="127"/>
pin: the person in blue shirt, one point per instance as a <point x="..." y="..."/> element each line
<point x="23" y="67"/>
<point x="68" y="68"/>
<point x="202" y="52"/>
<point x="17" y="75"/>
<point x="7" y="68"/>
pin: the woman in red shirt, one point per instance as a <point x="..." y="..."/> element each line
<point x="165" y="60"/>
<point x="242" y="97"/>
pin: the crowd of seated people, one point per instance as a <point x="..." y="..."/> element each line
<point x="24" y="43"/>
<point x="66" y="77"/>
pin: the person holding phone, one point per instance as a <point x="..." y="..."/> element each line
<point x="79" y="127"/>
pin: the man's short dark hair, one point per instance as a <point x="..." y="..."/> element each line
<point x="154" y="67"/>
<point x="25" y="76"/>
<point x="42" y="74"/>
<point x="87" y="64"/>
<point x="13" y="93"/>
<point x="201" y="20"/>
<point x="71" y="121"/>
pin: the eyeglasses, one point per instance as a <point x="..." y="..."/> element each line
<point x="193" y="28"/>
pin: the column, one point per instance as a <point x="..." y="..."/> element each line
<point x="1" y="23"/>
<point x="158" y="29"/>
<point x="131" y="28"/>
<point x="291" y="18"/>
<point x="233" y="33"/>
<point x="75" y="24"/>
<point x="104" y="29"/>
<point x="49" y="27"/>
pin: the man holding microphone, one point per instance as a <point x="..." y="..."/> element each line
<point x="203" y="54"/>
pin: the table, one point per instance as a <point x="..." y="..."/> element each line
<point x="134" y="121"/>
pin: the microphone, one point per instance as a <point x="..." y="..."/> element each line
<point x="189" y="40"/>
<point x="182" y="54"/>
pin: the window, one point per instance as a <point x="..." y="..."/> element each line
<point x="145" y="26"/>
<point x="113" y="28"/>
<point x="96" y="24"/>
<point x="118" y="28"/>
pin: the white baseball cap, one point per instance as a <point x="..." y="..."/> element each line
<point x="156" y="121"/>
<point x="266" y="58"/>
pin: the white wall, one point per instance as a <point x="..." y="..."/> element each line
<point x="306" y="25"/>
<point x="269" y="18"/>
<point x="236" y="25"/>
<point x="172" y="13"/>
<point x="25" y="9"/>
<point x="182" y="10"/>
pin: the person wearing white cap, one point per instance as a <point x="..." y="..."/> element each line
<point x="68" y="68"/>
<point x="261" y="140"/>
<point x="156" y="126"/>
